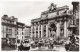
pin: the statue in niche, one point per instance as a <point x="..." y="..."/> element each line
<point x="52" y="7"/>
<point x="65" y="11"/>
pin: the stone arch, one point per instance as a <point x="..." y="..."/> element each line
<point x="53" y="26"/>
<point x="52" y="30"/>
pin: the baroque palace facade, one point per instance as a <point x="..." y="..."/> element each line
<point x="23" y="32"/>
<point x="13" y="31"/>
<point x="9" y="28"/>
<point x="56" y="22"/>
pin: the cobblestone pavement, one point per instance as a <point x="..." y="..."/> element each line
<point x="8" y="49"/>
<point x="56" y="48"/>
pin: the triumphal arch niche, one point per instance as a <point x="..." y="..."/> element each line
<point x="53" y="23"/>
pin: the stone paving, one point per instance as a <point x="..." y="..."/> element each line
<point x="56" y="48"/>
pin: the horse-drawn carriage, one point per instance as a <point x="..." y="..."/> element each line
<point x="24" y="46"/>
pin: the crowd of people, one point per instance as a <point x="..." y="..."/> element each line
<point x="9" y="44"/>
<point x="72" y="45"/>
<point x="23" y="46"/>
<point x="26" y="45"/>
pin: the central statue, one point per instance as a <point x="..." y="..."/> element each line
<point x="52" y="7"/>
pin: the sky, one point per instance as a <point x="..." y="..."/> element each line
<point x="26" y="10"/>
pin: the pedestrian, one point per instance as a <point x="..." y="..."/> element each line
<point x="18" y="44"/>
<point x="51" y="44"/>
<point x="72" y="47"/>
<point x="77" y="40"/>
<point x="32" y="44"/>
<point x="21" y="47"/>
<point x="72" y="39"/>
<point x="67" y="46"/>
<point x="40" y="44"/>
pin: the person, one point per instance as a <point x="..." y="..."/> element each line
<point x="51" y="44"/>
<point x="32" y="43"/>
<point x="67" y="46"/>
<point x="18" y="44"/>
<point x="72" y="39"/>
<point x="15" y="45"/>
<point x="72" y="47"/>
<point x="77" y="44"/>
<point x="77" y="40"/>
<point x="40" y="44"/>
<point x="36" y="42"/>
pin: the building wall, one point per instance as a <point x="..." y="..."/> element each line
<point x="23" y="33"/>
<point x="3" y="31"/>
<point x="27" y="33"/>
<point x="52" y="18"/>
<point x="20" y="35"/>
<point x="8" y="27"/>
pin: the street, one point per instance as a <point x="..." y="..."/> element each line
<point x="56" y="48"/>
<point x="8" y="49"/>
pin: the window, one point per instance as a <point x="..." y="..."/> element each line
<point x="18" y="41"/>
<point x="57" y="12"/>
<point x="5" y="21"/>
<point x="2" y="20"/>
<point x="22" y="33"/>
<point x="37" y="27"/>
<point x="17" y="37"/>
<point x="62" y="32"/>
<point x="22" y="37"/>
<point x="40" y="27"/>
<point x="10" y="30"/>
<point x="17" y="32"/>
<point x="40" y="34"/>
<point x="12" y="22"/>
<point x="44" y="27"/>
<point x="8" y="21"/>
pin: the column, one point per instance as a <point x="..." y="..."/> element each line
<point x="41" y="31"/>
<point x="35" y="32"/>
<point x="49" y="33"/>
<point x="31" y="31"/>
<point x="38" y="31"/>
<point x="58" y="29"/>
<point x="46" y="30"/>
<point x="5" y="32"/>
<point x="65" y="29"/>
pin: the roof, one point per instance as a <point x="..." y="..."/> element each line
<point x="57" y="9"/>
<point x="57" y="16"/>
<point x="47" y="12"/>
<point x="34" y="20"/>
<point x="28" y="26"/>
<point x="5" y="17"/>
<point x="75" y="2"/>
<point x="19" y="23"/>
<point x="9" y="24"/>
